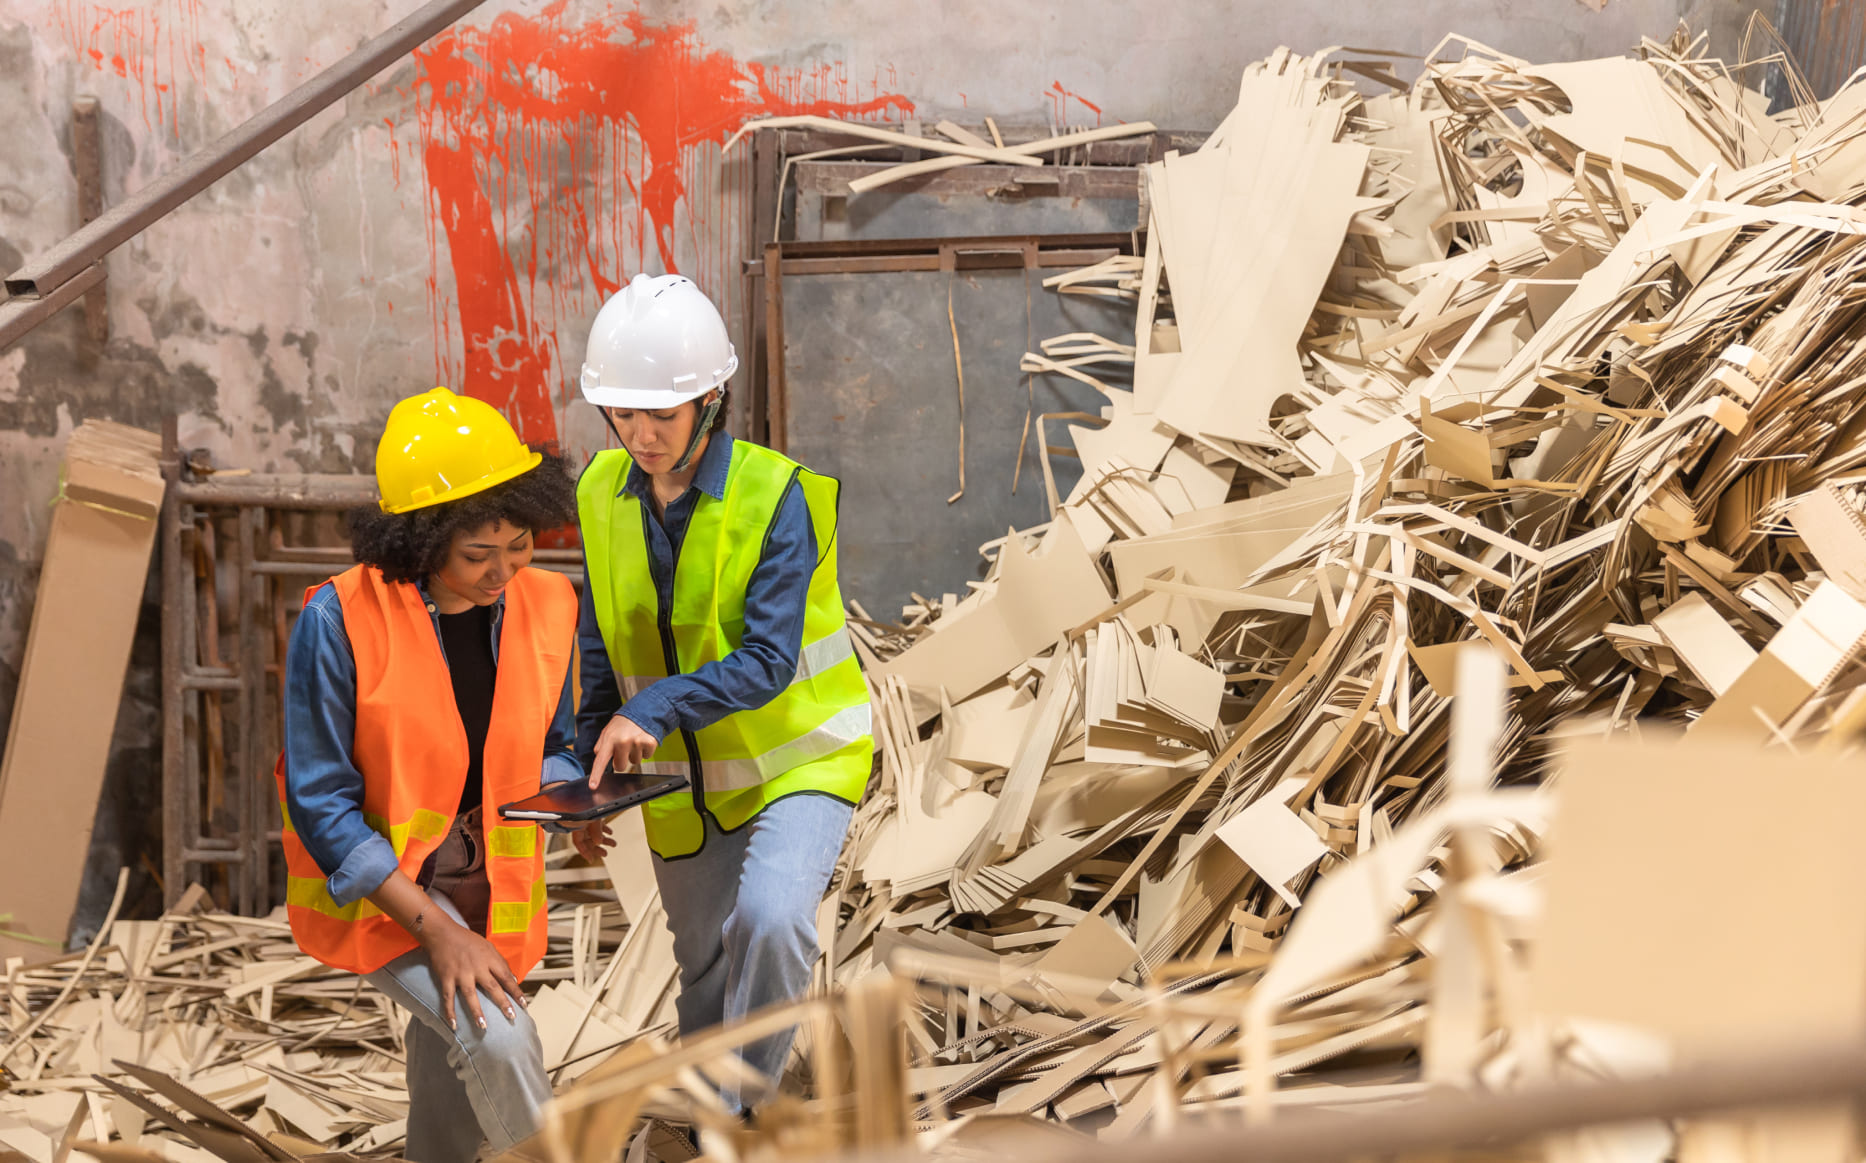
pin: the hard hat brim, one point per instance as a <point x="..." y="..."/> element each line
<point x="652" y="399"/>
<point x="516" y="469"/>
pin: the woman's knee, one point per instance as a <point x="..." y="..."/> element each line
<point x="504" y="1040"/>
<point x="772" y="921"/>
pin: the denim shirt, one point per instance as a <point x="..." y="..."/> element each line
<point x="323" y="788"/>
<point x="775" y="598"/>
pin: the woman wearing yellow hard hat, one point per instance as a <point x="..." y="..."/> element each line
<point x="423" y="687"/>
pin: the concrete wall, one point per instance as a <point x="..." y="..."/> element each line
<point x="459" y="219"/>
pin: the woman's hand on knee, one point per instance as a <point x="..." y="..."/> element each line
<point x="465" y="963"/>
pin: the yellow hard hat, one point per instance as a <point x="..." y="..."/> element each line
<point x="440" y="447"/>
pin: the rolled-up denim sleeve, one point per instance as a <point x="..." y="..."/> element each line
<point x="323" y="787"/>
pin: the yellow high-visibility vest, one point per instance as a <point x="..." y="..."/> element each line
<point x="815" y="736"/>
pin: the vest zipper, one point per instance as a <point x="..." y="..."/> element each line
<point x="664" y="621"/>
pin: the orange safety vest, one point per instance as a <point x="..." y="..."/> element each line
<point x="412" y="752"/>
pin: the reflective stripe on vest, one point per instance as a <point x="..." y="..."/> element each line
<point x="815" y="736"/>
<point x="812" y="660"/>
<point x="412" y="751"/>
<point x="843" y="728"/>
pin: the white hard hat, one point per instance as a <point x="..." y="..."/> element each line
<point x="656" y="343"/>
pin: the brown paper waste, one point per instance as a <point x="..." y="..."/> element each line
<point x="1536" y="382"/>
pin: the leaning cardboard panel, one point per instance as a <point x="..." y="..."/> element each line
<point x="1692" y="899"/>
<point x="83" y="621"/>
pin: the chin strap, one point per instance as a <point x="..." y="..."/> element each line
<point x="708" y="412"/>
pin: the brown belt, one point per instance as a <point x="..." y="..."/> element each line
<point x="457" y="870"/>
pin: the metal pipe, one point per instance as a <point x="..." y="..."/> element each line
<point x="299" y="568"/>
<point x="249" y="773"/>
<point x="338" y="555"/>
<point x="316" y="569"/>
<point x="341" y="555"/>
<point x="187" y="807"/>
<point x="776" y="400"/>
<point x="124" y="221"/>
<point x="894" y="264"/>
<point x="87" y="158"/>
<point x="173" y="865"/>
<point x="196" y="681"/>
<point x="214" y="856"/>
<point x="18" y="316"/>
<point x="283" y="491"/>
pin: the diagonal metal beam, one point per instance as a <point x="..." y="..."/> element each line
<point x="18" y="316"/>
<point x="51" y="271"/>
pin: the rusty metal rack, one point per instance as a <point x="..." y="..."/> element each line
<point x="795" y="158"/>
<point x="236" y="551"/>
<point x="770" y="402"/>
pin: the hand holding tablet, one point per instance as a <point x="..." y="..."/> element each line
<point x="575" y="801"/>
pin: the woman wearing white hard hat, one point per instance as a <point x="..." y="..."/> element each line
<point x="714" y="646"/>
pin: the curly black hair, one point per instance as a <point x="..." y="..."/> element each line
<point x="407" y="547"/>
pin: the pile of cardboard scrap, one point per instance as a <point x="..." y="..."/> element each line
<point x="1554" y="369"/>
<point x="1515" y="404"/>
<point x="204" y="1035"/>
<point x="161" y="1035"/>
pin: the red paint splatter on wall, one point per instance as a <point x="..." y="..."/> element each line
<point x="395" y="154"/>
<point x="1060" y="98"/>
<point x="562" y="158"/>
<point x="151" y="46"/>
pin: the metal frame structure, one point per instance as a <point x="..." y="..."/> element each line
<point x="1100" y="169"/>
<point x="770" y="393"/>
<point x="202" y="761"/>
<point x="194" y="688"/>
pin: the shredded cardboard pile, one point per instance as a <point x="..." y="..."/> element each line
<point x="1537" y="385"/>
<point x="204" y="1035"/>
<point x="1534" y="383"/>
<point x="1560" y="362"/>
<point x="155" y="1031"/>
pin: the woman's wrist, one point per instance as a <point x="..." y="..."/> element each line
<point x="430" y="924"/>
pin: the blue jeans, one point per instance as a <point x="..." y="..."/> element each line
<point x="497" y="1073"/>
<point x="743" y="913"/>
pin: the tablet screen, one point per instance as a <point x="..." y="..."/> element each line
<point x="575" y="800"/>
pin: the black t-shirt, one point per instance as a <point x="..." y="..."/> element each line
<point x="467" y="637"/>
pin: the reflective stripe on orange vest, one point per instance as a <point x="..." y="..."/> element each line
<point x="412" y="751"/>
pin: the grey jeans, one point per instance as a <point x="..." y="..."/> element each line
<point x="743" y="913"/>
<point x="497" y="1073"/>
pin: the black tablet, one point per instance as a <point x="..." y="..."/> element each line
<point x="575" y="800"/>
